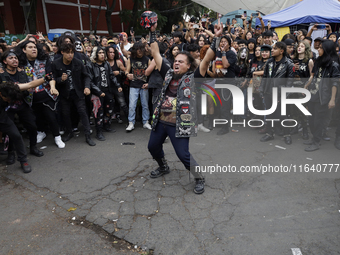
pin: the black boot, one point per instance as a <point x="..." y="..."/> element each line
<point x="223" y="131"/>
<point x="34" y="151"/>
<point x="199" y="181"/>
<point x="305" y="135"/>
<point x="89" y="140"/>
<point x="100" y="135"/>
<point x="107" y="127"/>
<point x="325" y="137"/>
<point x="211" y="122"/>
<point x="161" y="170"/>
<point x="10" y="158"/>
<point x="337" y="142"/>
<point x="295" y="130"/>
<point x="119" y="119"/>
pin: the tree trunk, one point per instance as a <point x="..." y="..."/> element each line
<point x="108" y="13"/>
<point x="95" y="25"/>
<point x="90" y="14"/>
<point x="32" y="17"/>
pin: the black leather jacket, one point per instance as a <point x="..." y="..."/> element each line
<point x="80" y="77"/>
<point x="94" y="73"/>
<point x="330" y="76"/>
<point x="282" y="78"/>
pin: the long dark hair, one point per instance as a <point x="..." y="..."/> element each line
<point x="115" y="50"/>
<point x="135" y="47"/>
<point x="22" y="55"/>
<point x="329" y="54"/>
<point x="11" y="90"/>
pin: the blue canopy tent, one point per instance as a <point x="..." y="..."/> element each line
<point x="306" y="11"/>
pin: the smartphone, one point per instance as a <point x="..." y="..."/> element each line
<point x="204" y="19"/>
<point x="238" y="16"/>
<point x="255" y="14"/>
<point x="195" y="26"/>
<point x="228" y="22"/>
<point x="245" y="13"/>
<point x="295" y="61"/>
<point x="321" y="26"/>
<point x="121" y="38"/>
<point x="269" y="22"/>
<point x="131" y="29"/>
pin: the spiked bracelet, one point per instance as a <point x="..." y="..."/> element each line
<point x="153" y="37"/>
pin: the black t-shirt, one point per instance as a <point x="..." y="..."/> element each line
<point x="231" y="57"/>
<point x="303" y="71"/>
<point x="69" y="75"/>
<point x="104" y="85"/>
<point x="138" y="67"/>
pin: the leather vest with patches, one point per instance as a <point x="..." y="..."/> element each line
<point x="37" y="72"/>
<point x="186" y="121"/>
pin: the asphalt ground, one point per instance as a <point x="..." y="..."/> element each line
<point x="291" y="208"/>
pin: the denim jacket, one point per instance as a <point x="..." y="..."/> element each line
<point x="186" y="124"/>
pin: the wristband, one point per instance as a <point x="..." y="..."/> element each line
<point x="213" y="44"/>
<point x="153" y="37"/>
<point x="47" y="78"/>
<point x="224" y="54"/>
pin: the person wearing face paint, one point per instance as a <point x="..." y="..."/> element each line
<point x="323" y="86"/>
<point x="241" y="69"/>
<point x="303" y="66"/>
<point x="278" y="72"/>
<point x="175" y="113"/>
<point x="102" y="78"/>
<point x="36" y="64"/>
<point x="73" y="83"/>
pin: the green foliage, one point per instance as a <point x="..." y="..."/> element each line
<point x="169" y="12"/>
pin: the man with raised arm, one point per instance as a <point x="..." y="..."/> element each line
<point x="175" y="111"/>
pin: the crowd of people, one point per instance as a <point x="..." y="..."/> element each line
<point x="101" y="80"/>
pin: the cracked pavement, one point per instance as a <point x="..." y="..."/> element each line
<point x="239" y="213"/>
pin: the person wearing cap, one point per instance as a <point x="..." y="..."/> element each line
<point x="290" y="47"/>
<point x="316" y="46"/>
<point x="267" y="37"/>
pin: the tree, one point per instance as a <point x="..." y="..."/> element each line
<point x="108" y="13"/>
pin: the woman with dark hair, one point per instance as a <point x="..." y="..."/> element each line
<point x="172" y="53"/>
<point x="201" y="40"/>
<point x="36" y="64"/>
<point x="135" y="72"/>
<point x="259" y="40"/>
<point x="323" y="88"/>
<point x="249" y="35"/>
<point x="118" y="69"/>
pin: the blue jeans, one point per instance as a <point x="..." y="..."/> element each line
<point x="181" y="145"/>
<point x="133" y="98"/>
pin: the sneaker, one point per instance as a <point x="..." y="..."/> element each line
<point x="199" y="187"/>
<point x="76" y="131"/>
<point x="130" y="127"/>
<point x="59" y="142"/>
<point x="203" y="128"/>
<point x="26" y="168"/>
<point x="147" y="126"/>
<point x="119" y="120"/>
<point x="40" y="136"/>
